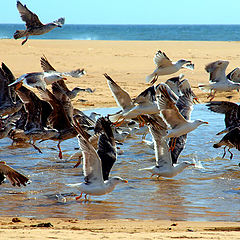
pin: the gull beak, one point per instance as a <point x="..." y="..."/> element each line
<point x="206" y="122"/>
<point x="192" y="164"/>
<point x="125" y="181"/>
<point x="64" y="78"/>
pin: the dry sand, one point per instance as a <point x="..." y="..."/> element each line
<point x="128" y="63"/>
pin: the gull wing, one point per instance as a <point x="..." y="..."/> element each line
<point x="158" y="128"/>
<point x="161" y="59"/>
<point x="46" y="66"/>
<point x="15" y="178"/>
<point x="121" y="97"/>
<point x="217" y="70"/>
<point x="106" y="146"/>
<point x="168" y="108"/>
<point x="92" y="167"/>
<point x="230" y="109"/>
<point x="234" y="75"/>
<point x="30" y="18"/>
<point x="148" y="95"/>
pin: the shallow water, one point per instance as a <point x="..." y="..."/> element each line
<point x="207" y="193"/>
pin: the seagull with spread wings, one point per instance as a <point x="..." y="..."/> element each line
<point x="179" y="125"/>
<point x="218" y="81"/>
<point x="165" y="66"/>
<point x="33" y="24"/>
<point x="97" y="165"/>
<point x="47" y="67"/>
<point x="164" y="165"/>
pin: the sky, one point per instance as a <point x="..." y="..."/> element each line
<point x="127" y="11"/>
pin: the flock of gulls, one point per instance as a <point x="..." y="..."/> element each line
<point x="30" y="112"/>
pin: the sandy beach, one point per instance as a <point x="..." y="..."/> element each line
<point x="128" y="63"/>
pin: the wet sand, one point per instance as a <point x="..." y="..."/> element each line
<point x="128" y="63"/>
<point x="54" y="228"/>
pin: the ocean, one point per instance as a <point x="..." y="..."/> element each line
<point x="134" y="32"/>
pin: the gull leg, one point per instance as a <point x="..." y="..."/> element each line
<point x="37" y="148"/>
<point x="172" y="144"/>
<point x="25" y="40"/>
<point x="231" y="154"/>
<point x="78" y="197"/>
<point x="141" y="121"/>
<point x="224" y="153"/>
<point x="60" y="150"/>
<point x="86" y="198"/>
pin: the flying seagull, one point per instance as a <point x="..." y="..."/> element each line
<point x="33" y="24"/>
<point x="165" y="66"/>
<point x="218" y="81"/>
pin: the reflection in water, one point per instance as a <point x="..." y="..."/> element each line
<point x="208" y="193"/>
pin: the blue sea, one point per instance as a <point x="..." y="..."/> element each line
<point x="134" y="32"/>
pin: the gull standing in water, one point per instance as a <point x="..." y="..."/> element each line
<point x="165" y="66"/>
<point x="179" y="125"/>
<point x="164" y="166"/>
<point x="15" y="178"/>
<point x="218" y="82"/>
<point x="33" y="24"/>
<point x="96" y="181"/>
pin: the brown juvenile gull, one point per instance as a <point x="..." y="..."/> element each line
<point x="164" y="166"/>
<point x="165" y="66"/>
<point x="179" y="125"/>
<point x="15" y="178"/>
<point x="33" y="24"/>
<point x="218" y="82"/>
<point x="94" y="182"/>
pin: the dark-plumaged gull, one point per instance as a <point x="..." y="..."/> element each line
<point x="96" y="181"/>
<point x="33" y="24"/>
<point x="230" y="140"/>
<point x="164" y="166"/>
<point x="179" y="125"/>
<point x="165" y="66"/>
<point x="14" y="177"/>
<point x="218" y="81"/>
<point x="231" y="111"/>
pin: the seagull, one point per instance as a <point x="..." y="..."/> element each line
<point x="61" y="116"/>
<point x="218" y="82"/>
<point x="37" y="79"/>
<point x="94" y="181"/>
<point x="47" y="67"/>
<point x="164" y="166"/>
<point x="230" y="140"/>
<point x="38" y="112"/>
<point x="33" y="24"/>
<point x="121" y="97"/>
<point x="179" y="125"/>
<point x="15" y="178"/>
<point x="231" y="111"/>
<point x="8" y="102"/>
<point x="165" y="66"/>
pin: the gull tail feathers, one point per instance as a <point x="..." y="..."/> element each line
<point x="150" y="77"/>
<point x="73" y="184"/>
<point x="19" y="34"/>
<point x="115" y="117"/>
